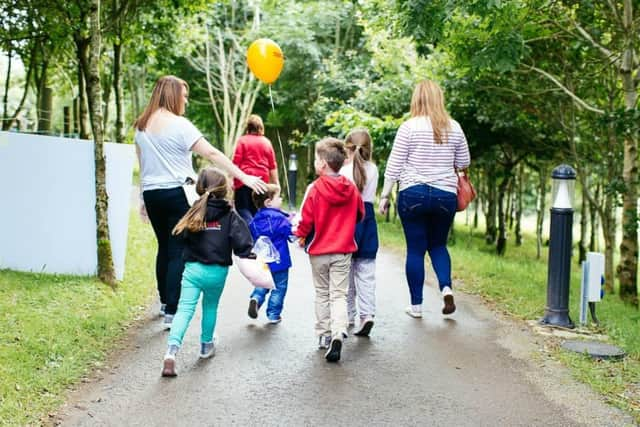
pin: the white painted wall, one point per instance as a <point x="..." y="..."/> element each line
<point x="47" y="203"/>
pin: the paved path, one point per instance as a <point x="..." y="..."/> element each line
<point x="470" y="370"/>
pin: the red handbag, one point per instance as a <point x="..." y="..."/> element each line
<point x="466" y="192"/>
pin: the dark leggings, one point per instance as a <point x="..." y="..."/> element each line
<point x="165" y="208"/>
<point x="244" y="203"/>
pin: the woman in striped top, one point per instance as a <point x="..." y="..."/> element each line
<point x="427" y="151"/>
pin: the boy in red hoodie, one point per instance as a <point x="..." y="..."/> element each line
<point x="329" y="214"/>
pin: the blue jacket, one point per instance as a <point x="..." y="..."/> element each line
<point x="274" y="224"/>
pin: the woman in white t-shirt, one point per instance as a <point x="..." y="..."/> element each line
<point x="164" y="143"/>
<point x="362" y="278"/>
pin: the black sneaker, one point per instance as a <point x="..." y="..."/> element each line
<point x="253" y="308"/>
<point x="333" y="354"/>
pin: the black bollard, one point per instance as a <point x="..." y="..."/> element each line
<point x="560" y="240"/>
<point x="292" y="178"/>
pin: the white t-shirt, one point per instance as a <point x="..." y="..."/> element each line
<point x="165" y="158"/>
<point x="369" y="190"/>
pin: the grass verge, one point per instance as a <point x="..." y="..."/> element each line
<point x="516" y="285"/>
<point x="56" y="328"/>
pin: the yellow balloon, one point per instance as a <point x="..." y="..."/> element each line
<point x="265" y="60"/>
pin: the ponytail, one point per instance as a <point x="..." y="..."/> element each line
<point x="359" y="143"/>
<point x="193" y="220"/>
<point x="359" y="171"/>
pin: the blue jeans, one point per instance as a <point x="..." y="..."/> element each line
<point x="276" y="299"/>
<point x="426" y="214"/>
<point x="206" y="279"/>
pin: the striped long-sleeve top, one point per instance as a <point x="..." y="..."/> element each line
<point x="417" y="159"/>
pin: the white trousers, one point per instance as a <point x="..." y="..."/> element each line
<point x="362" y="288"/>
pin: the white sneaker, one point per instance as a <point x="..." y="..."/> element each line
<point x="414" y="311"/>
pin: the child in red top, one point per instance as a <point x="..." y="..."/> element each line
<point x="329" y="214"/>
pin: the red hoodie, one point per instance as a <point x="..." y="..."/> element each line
<point x="330" y="211"/>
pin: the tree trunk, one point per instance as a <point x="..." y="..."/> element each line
<point x="82" y="46"/>
<point x="7" y="84"/>
<point x="45" y="107"/>
<point x="106" y="98"/>
<point x="628" y="267"/>
<point x="117" y="90"/>
<point x="491" y="234"/>
<point x="106" y="271"/>
<point x="501" y="243"/>
<point x="593" y="221"/>
<point x="6" y="125"/>
<point x="609" y="235"/>
<point x="510" y="202"/>
<point x="519" y="190"/>
<point x="44" y="98"/>
<point x="540" y="205"/>
<point x="66" y="121"/>
<point x="582" y="245"/>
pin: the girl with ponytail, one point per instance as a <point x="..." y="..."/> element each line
<point x="359" y="168"/>
<point x="211" y="230"/>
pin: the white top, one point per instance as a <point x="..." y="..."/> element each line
<point x="417" y="159"/>
<point x="165" y="158"/>
<point x="369" y="190"/>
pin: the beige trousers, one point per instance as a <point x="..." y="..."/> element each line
<point x="331" y="280"/>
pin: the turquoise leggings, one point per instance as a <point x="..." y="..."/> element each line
<point x="198" y="278"/>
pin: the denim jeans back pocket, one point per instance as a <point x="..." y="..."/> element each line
<point x="410" y="199"/>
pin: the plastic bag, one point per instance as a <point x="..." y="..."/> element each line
<point x="256" y="271"/>
<point x="265" y="249"/>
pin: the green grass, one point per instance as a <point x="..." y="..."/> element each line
<point x="56" y="328"/>
<point x="516" y="285"/>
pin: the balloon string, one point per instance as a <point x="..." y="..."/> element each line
<point x="284" y="165"/>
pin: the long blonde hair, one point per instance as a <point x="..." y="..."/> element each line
<point x="359" y="143"/>
<point x="211" y="183"/>
<point x="167" y="94"/>
<point x="428" y="101"/>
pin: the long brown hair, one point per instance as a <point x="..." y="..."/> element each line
<point x="167" y="94"/>
<point x="428" y="101"/>
<point x="211" y="183"/>
<point x="359" y="143"/>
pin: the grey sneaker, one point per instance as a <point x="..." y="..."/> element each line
<point x="324" y="341"/>
<point x="333" y="354"/>
<point x="168" y="320"/>
<point x="163" y="307"/>
<point x="207" y="349"/>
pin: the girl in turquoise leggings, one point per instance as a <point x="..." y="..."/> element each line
<point x="211" y="230"/>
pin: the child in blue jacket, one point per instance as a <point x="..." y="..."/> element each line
<point x="273" y="223"/>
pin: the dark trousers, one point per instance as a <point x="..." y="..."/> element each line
<point x="244" y="203"/>
<point x="426" y="214"/>
<point x="165" y="208"/>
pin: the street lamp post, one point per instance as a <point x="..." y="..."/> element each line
<point x="560" y="237"/>
<point x="292" y="177"/>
